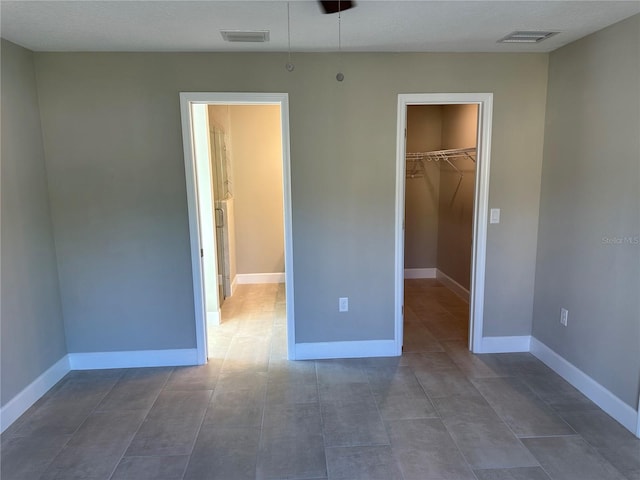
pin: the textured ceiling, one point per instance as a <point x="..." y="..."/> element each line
<point x="374" y="26"/>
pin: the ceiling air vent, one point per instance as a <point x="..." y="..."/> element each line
<point x="252" y="36"/>
<point x="526" y="37"/>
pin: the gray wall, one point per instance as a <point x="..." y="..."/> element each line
<point x="32" y="331"/>
<point x="113" y="146"/>
<point x="590" y="195"/>
<point x="113" y="140"/>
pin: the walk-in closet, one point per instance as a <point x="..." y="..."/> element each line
<point x="441" y="148"/>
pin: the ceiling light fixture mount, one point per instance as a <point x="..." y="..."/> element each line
<point x="340" y="75"/>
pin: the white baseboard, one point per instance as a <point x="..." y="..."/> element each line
<point x="214" y="318"/>
<point x="133" y="359"/>
<point x="234" y="284"/>
<point x="19" y="404"/>
<point x="638" y="420"/>
<point x="452" y="285"/>
<point x="355" y="349"/>
<point x="598" y="394"/>
<point x="505" y="344"/>
<point x="248" y="278"/>
<point x="413" y="273"/>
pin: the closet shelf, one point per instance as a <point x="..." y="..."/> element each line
<point x="414" y="160"/>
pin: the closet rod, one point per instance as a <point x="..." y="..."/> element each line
<point x="412" y="172"/>
<point x="444" y="155"/>
<point x="438" y="154"/>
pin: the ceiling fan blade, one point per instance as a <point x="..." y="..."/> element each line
<point x="335" y="6"/>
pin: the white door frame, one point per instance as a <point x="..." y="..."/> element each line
<point x="206" y="212"/>
<point x="481" y="206"/>
<point x="187" y="100"/>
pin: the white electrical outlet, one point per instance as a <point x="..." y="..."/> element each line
<point x="343" y="304"/>
<point x="564" y="316"/>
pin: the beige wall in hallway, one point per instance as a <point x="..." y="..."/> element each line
<point x="219" y="117"/>
<point x="256" y="157"/>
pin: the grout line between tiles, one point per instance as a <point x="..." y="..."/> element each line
<point x="141" y="423"/>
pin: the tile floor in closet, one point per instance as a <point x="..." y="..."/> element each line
<point x="436" y="413"/>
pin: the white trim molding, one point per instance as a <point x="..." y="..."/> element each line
<point x="133" y="359"/>
<point x="413" y="273"/>
<point x="29" y="395"/>
<point x="355" y="349"/>
<point x="452" y="285"/>
<point x="234" y="284"/>
<point x="607" y="401"/>
<point x="214" y="318"/>
<point x="19" y="404"/>
<point x="505" y="344"/>
<point x="206" y="209"/>
<point x="254" y="278"/>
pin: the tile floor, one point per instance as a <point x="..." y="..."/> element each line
<point x="436" y="413"/>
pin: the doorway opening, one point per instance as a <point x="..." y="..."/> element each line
<point x="442" y="202"/>
<point x="238" y="190"/>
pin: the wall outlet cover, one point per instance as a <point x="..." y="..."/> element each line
<point x="343" y="304"/>
<point x="564" y="316"/>
<point x="494" y="216"/>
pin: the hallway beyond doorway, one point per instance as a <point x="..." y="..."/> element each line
<point x="255" y="315"/>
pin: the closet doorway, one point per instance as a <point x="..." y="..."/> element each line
<point x="442" y="185"/>
<point x="233" y="188"/>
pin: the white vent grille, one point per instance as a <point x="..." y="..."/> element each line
<point x="246" y="36"/>
<point x="526" y="37"/>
